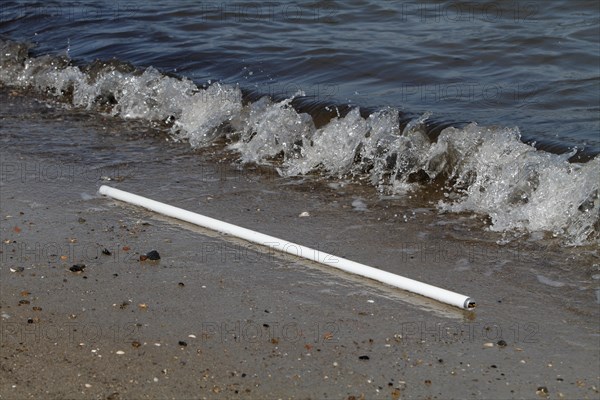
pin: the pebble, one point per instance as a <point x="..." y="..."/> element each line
<point x="542" y="391"/>
<point x="153" y="255"/>
<point x="304" y="214"/>
<point x="120" y="352"/>
<point x="489" y="344"/>
<point x="77" y="268"/>
<point x="363" y="357"/>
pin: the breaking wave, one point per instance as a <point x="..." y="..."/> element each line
<point x="482" y="169"/>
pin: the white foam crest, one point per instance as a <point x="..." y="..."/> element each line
<point x="520" y="188"/>
<point x="267" y="129"/>
<point x="205" y="111"/>
<point x="150" y="95"/>
<point x="196" y="113"/>
<point x="389" y="155"/>
<point x="45" y="74"/>
<point x="332" y="147"/>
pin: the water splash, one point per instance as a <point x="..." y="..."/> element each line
<point x="486" y="170"/>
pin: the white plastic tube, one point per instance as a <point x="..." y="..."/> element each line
<point x="442" y="295"/>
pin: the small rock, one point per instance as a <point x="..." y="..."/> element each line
<point x="120" y="352"/>
<point x="542" y="391"/>
<point x="81" y="220"/>
<point x="363" y="357"/>
<point x="136" y="344"/>
<point x="153" y="255"/>
<point x="106" y="252"/>
<point x="304" y="214"/>
<point x="182" y="343"/>
<point x="501" y="343"/>
<point x="77" y="268"/>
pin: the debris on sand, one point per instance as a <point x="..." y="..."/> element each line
<point x="151" y="255"/>
<point x="77" y="268"/>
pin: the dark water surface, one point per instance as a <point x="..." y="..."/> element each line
<point x="525" y="63"/>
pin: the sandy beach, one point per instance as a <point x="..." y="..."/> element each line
<point x="216" y="317"/>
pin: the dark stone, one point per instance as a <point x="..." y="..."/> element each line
<point x="77" y="268"/>
<point x="363" y="357"/>
<point x="153" y="255"/>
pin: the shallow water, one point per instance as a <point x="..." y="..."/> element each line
<point x="379" y="93"/>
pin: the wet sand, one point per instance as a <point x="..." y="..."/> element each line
<point x="216" y="317"/>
